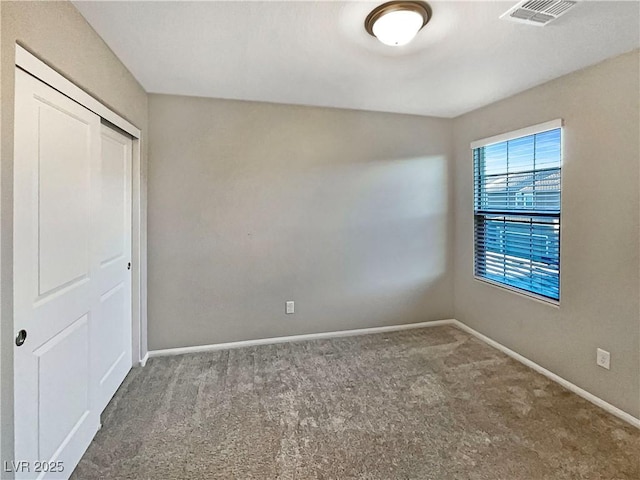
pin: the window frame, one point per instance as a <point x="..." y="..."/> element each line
<point x="503" y="137"/>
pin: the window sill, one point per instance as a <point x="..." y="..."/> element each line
<point x="523" y="293"/>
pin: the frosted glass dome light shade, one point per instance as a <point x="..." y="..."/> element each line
<point x="397" y="23"/>
<point x="397" y="28"/>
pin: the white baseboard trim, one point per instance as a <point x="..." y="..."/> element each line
<point x="144" y="359"/>
<point x="552" y="376"/>
<point x="294" y="338"/>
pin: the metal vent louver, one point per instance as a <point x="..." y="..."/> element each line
<point x="538" y="12"/>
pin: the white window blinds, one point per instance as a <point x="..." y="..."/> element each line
<point x="517" y="210"/>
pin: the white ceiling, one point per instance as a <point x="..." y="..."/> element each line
<point x="318" y="53"/>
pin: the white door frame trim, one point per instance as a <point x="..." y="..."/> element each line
<point x="36" y="67"/>
<point x="43" y="72"/>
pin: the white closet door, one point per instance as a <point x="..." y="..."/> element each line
<point x="56" y="168"/>
<point x="112" y="345"/>
<point x="72" y="289"/>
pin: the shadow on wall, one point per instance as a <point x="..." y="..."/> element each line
<point x="355" y="245"/>
<point x="397" y="218"/>
<point x="342" y="238"/>
<point x="345" y="213"/>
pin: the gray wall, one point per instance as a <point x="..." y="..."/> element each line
<point x="59" y="35"/>
<point x="600" y="261"/>
<point x="251" y="204"/>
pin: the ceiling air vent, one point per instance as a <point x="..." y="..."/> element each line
<point x="538" y="12"/>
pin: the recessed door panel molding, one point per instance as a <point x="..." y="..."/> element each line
<point x="110" y="330"/>
<point x="63" y="367"/>
<point x="63" y="197"/>
<point x="114" y="197"/>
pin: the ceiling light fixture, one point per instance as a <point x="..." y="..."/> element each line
<point x="397" y="23"/>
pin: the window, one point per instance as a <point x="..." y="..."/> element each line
<point x="517" y="209"/>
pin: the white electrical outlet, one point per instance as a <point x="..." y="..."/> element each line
<point x="290" y="307"/>
<point x="603" y="359"/>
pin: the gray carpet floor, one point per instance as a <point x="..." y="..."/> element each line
<point x="433" y="403"/>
